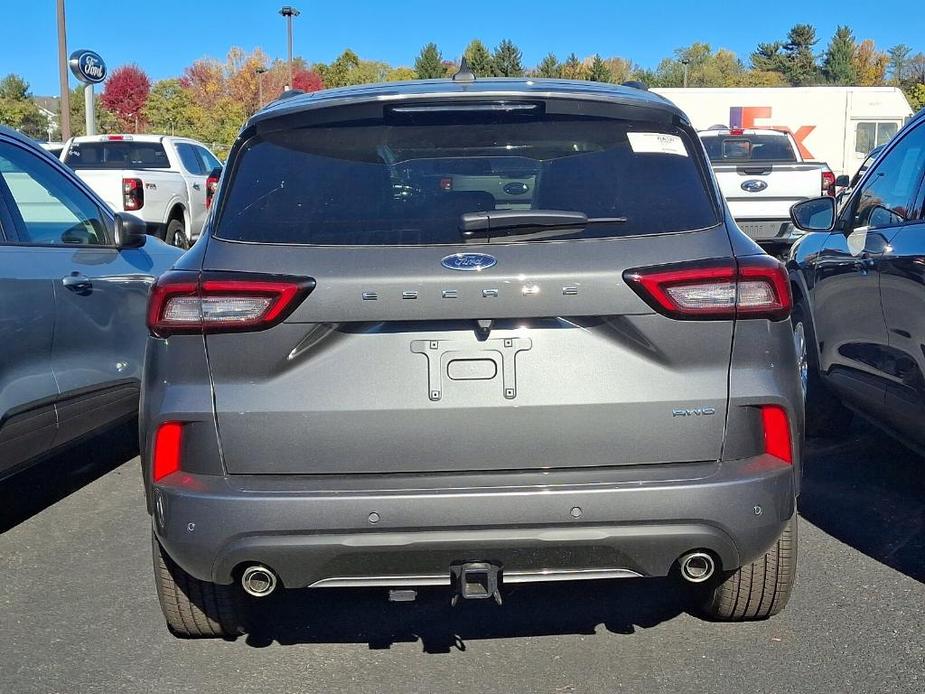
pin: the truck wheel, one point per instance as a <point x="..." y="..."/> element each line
<point x="760" y="589"/>
<point x="825" y="414"/>
<point x="194" y="608"/>
<point x="176" y="234"/>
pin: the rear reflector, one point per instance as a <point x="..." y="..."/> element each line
<point x="777" y="440"/>
<point x="222" y="302"/>
<point x="749" y="287"/>
<point x="167" y="444"/>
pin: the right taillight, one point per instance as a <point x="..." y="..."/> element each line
<point x="133" y="194"/>
<point x="183" y="302"/>
<point x="749" y="287"/>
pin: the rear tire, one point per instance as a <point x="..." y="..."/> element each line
<point x="825" y="414"/>
<point x="758" y="590"/>
<point x="176" y="234"/>
<point x="194" y="608"/>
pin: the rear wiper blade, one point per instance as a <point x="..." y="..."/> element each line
<point x="542" y="223"/>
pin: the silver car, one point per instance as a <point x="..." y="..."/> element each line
<point x="469" y="334"/>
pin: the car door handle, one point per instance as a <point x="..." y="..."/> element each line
<point x="77" y="282"/>
<point x="196" y="186"/>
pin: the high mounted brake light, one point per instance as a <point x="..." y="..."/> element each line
<point x="749" y="287"/>
<point x="183" y="302"/>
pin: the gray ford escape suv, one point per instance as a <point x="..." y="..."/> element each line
<point x="470" y="333"/>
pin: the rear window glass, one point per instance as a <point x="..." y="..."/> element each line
<point x="749" y="148"/>
<point x="117" y="155"/>
<point x="407" y="181"/>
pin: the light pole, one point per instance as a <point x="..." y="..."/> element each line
<point x="288" y="11"/>
<point x="260" y="71"/>
<point x="685" y="62"/>
<point x="65" y="99"/>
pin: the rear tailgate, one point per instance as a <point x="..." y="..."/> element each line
<point x="105" y="183"/>
<point x="765" y="191"/>
<point x="404" y="359"/>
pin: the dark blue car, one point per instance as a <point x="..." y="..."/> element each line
<point x="74" y="281"/>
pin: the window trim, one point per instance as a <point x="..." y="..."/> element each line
<point x="9" y="209"/>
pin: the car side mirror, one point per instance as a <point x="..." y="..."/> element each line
<point x="129" y="231"/>
<point x="816" y="214"/>
<point x="843" y="181"/>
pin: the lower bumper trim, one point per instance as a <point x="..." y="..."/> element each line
<point x="443" y="580"/>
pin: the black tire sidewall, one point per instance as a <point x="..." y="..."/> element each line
<point x="176" y="227"/>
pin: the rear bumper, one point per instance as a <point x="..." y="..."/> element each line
<point x="628" y="522"/>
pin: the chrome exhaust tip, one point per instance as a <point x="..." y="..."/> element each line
<point x="697" y="567"/>
<point x="258" y="581"/>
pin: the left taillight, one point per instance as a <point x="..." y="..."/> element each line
<point x="828" y="183"/>
<point x="183" y="302"/>
<point x="168" y="444"/>
<point x="211" y="187"/>
<point x="748" y="287"/>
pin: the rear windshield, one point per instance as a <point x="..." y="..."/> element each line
<point x="406" y="181"/>
<point x="117" y="155"/>
<point x="749" y="148"/>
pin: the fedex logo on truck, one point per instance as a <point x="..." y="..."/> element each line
<point x="745" y="117"/>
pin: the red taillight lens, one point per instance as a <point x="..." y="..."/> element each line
<point x="133" y="194"/>
<point x="750" y="287"/>
<point x="222" y="302"/>
<point x="211" y="187"/>
<point x="828" y="183"/>
<point x="736" y="131"/>
<point x="777" y="439"/>
<point x="167" y="444"/>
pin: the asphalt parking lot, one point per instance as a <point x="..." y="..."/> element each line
<point x="78" y="611"/>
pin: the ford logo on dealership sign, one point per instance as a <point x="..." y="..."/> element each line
<point x="754" y="186"/>
<point x="468" y="261"/>
<point x="87" y="66"/>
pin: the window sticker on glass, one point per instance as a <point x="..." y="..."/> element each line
<point x="656" y="143"/>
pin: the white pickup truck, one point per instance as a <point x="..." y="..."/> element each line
<point x="762" y="174"/>
<point x="167" y="181"/>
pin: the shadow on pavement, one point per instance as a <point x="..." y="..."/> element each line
<point x="868" y="491"/>
<point x="366" y="616"/>
<point x="48" y="481"/>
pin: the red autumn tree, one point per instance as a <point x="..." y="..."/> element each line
<point x="307" y="80"/>
<point x="125" y="95"/>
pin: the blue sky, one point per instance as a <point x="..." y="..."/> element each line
<point x="163" y="36"/>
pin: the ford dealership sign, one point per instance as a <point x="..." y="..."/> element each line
<point x="87" y="66"/>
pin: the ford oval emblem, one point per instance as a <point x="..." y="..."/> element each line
<point x="754" y="186"/>
<point x="87" y="66"/>
<point x="468" y="261"/>
<point x="516" y="188"/>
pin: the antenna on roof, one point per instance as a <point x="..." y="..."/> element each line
<point x="464" y="73"/>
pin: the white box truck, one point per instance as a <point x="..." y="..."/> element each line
<point x="835" y="125"/>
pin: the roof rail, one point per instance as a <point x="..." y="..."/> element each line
<point x="289" y="93"/>
<point x="636" y="84"/>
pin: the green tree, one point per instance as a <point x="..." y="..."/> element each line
<point x="573" y="69"/>
<point x="800" y="61"/>
<point x="549" y="67"/>
<point x="479" y="59"/>
<point x="429" y="63"/>
<point x="899" y="57"/>
<point x="18" y="110"/>
<point x="171" y="110"/>
<point x="598" y="71"/>
<point x="400" y="74"/>
<point x="916" y="96"/>
<point x="768" y="57"/>
<point x="507" y="59"/>
<point x="337" y="74"/>
<point x="838" y="60"/>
